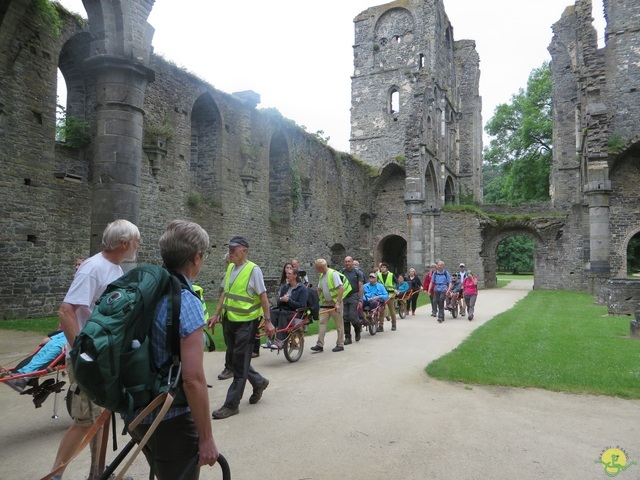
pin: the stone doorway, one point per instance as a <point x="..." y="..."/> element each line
<point x="393" y="250"/>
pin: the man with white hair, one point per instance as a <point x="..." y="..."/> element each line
<point x="120" y="240"/>
<point x="332" y="288"/>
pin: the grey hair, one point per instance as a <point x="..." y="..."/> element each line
<point x="180" y="242"/>
<point x="119" y="231"/>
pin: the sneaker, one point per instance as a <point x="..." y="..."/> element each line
<point x="388" y="318"/>
<point x="317" y="349"/>
<point x="277" y="345"/>
<point x="470" y="317"/>
<point x="257" y="392"/>
<point x="379" y="328"/>
<point x="357" y="337"/>
<point x="224" y="412"/>
<point x="338" y="348"/>
<point x="347" y="341"/>
<point x="393" y="328"/>
<point x="440" y="320"/>
<point x="268" y="343"/>
<point x="462" y="314"/>
<point x="225" y="374"/>
<point x="433" y="314"/>
<point x="413" y="313"/>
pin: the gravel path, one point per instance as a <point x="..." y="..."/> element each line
<point x="370" y="412"/>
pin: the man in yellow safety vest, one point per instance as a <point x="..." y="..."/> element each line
<point x="242" y="302"/>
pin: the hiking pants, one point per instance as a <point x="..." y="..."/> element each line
<point x="239" y="338"/>
<point x="350" y="315"/>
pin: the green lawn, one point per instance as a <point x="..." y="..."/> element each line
<point x="555" y="340"/>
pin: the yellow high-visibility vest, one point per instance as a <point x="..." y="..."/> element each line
<point x="346" y="284"/>
<point x="237" y="303"/>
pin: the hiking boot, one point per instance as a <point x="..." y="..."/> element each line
<point x="347" y="341"/>
<point x="357" y="337"/>
<point x="393" y="328"/>
<point x="317" y="349"/>
<point x="224" y="412"/>
<point x="433" y="314"/>
<point x="257" y="392"/>
<point x="440" y="320"/>
<point x="470" y="317"/>
<point x="225" y="374"/>
<point x="380" y="328"/>
<point x="338" y="348"/>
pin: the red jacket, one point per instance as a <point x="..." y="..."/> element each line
<point x="427" y="281"/>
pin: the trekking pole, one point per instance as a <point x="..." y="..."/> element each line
<point x="117" y="461"/>
<point x="224" y="465"/>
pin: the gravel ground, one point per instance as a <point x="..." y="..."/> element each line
<point x="369" y="412"/>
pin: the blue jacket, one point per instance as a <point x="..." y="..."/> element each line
<point x="376" y="290"/>
<point x="403" y="287"/>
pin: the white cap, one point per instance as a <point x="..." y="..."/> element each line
<point x="462" y="265"/>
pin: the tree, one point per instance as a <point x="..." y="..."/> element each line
<point x="515" y="254"/>
<point x="522" y="143"/>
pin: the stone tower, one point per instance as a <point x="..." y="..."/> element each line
<point x="415" y="103"/>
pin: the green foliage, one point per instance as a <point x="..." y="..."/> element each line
<point x="321" y="137"/>
<point x="72" y="132"/>
<point x="521" y="144"/>
<point x="633" y="255"/>
<point x="49" y="16"/>
<point x="515" y="254"/>
<point x="400" y="160"/>
<point x="195" y="199"/>
<point x="155" y="131"/>
<point x="556" y="340"/>
<point x="616" y="143"/>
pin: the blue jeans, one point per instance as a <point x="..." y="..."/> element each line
<point x="440" y="298"/>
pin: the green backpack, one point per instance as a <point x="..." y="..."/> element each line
<point x="111" y="356"/>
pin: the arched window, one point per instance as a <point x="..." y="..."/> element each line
<point x="394" y="101"/>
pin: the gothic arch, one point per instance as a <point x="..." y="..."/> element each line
<point x="393" y="250"/>
<point x="206" y="134"/>
<point x="431" y="200"/>
<point x="71" y="63"/>
<point x="280" y="202"/>
<point x="449" y="191"/>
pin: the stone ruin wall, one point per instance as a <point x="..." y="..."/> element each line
<point x="47" y="194"/>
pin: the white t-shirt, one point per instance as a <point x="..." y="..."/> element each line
<point x="324" y="285"/>
<point x="89" y="283"/>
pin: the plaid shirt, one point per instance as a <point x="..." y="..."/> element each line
<point x="191" y="319"/>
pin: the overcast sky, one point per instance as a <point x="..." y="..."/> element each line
<point x="298" y="55"/>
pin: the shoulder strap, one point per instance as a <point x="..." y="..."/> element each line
<point x="173" y="319"/>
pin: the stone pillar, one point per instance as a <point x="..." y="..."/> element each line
<point x="597" y="194"/>
<point x="413" y="199"/>
<point x="120" y="88"/>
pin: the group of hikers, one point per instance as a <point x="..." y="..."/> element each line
<point x="343" y="295"/>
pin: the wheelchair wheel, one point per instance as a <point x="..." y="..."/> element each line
<point x="454" y="309"/>
<point x="371" y="325"/>
<point x="402" y="309"/>
<point x="294" y="346"/>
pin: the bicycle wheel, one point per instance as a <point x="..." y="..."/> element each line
<point x="454" y="309"/>
<point x="371" y="325"/>
<point x="294" y="346"/>
<point x="402" y="309"/>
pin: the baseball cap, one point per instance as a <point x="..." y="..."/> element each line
<point x="372" y="274"/>
<point x="462" y="265"/>
<point x="238" y="241"/>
